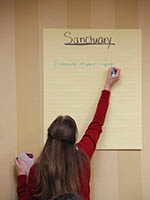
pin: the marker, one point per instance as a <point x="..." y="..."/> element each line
<point x="113" y="72"/>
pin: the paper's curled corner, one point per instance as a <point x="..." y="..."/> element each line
<point x="28" y="161"/>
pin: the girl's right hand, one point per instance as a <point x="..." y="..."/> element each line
<point x="111" y="80"/>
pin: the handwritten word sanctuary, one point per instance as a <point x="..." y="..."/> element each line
<point x="88" y="40"/>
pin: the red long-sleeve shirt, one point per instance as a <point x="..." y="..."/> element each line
<point x="87" y="144"/>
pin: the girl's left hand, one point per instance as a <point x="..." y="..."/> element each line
<point x="20" y="169"/>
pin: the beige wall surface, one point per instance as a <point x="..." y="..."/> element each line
<point x="8" y="137"/>
<point x="118" y="175"/>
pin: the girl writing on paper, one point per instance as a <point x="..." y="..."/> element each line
<point x="64" y="165"/>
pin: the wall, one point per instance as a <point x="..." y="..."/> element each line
<point x="8" y="137"/>
<point x="119" y="175"/>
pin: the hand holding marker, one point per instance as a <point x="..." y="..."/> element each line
<point x="112" y="77"/>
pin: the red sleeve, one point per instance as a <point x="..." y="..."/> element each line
<point x="25" y="189"/>
<point x="91" y="136"/>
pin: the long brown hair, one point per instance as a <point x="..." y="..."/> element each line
<point x="58" y="166"/>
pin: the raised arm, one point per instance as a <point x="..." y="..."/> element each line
<point x="91" y="136"/>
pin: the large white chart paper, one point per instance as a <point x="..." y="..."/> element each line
<point x="76" y="62"/>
